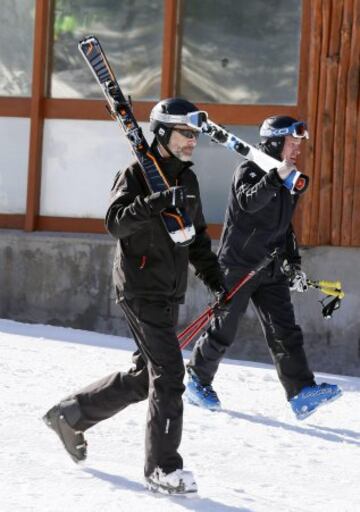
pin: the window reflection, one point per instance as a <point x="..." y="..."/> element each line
<point x="16" y="43"/>
<point x="130" y="32"/>
<point x="240" y="51"/>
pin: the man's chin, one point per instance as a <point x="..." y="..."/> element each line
<point x="183" y="157"/>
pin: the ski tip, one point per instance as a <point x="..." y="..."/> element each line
<point x="87" y="41"/>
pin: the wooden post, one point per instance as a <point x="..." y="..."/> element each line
<point x="352" y="108"/>
<point x="36" y="113"/>
<point x="326" y="137"/>
<point x="302" y="217"/>
<point x="312" y="109"/>
<point x="339" y="129"/>
<point x="169" y="48"/>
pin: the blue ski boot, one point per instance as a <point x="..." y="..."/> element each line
<point x="311" y="397"/>
<point x="203" y="396"/>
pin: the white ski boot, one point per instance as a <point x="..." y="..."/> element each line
<point x="177" y="483"/>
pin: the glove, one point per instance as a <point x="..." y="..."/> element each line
<point x="173" y="197"/>
<point x="221" y="292"/>
<point x="221" y="306"/>
<point x="297" y="278"/>
<point x="299" y="282"/>
<point x="285" y="169"/>
<point x="292" y="179"/>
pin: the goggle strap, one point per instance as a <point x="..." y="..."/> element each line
<point x="297" y="130"/>
<point x="193" y="119"/>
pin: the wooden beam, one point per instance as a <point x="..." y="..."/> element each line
<point x="326" y="137"/>
<point x="169" y="58"/>
<point x="355" y="219"/>
<point x="323" y="19"/>
<point x="82" y="225"/>
<point x="312" y="110"/>
<point x="14" y="107"/>
<point x="245" y="114"/>
<point x="339" y="131"/>
<point x="70" y="224"/>
<point x="36" y="112"/>
<point x="11" y="221"/>
<point x="215" y="231"/>
<point x="301" y="220"/>
<point x="221" y="113"/>
<point x="352" y="109"/>
<point x="94" y="110"/>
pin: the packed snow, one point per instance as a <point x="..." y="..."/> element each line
<point x="251" y="456"/>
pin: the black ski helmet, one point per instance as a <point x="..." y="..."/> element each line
<point x="166" y="114"/>
<point x="273" y="131"/>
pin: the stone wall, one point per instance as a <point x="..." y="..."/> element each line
<point x="65" y="279"/>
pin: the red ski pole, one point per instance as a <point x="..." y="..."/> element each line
<point x="189" y="333"/>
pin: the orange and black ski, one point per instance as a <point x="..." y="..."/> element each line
<point x="177" y="222"/>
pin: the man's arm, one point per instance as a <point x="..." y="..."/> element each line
<point x="131" y="207"/>
<point x="292" y="253"/>
<point x="292" y="263"/>
<point x="254" y="188"/>
<point x="128" y="211"/>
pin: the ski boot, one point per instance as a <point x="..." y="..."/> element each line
<point x="177" y="483"/>
<point x="311" y="398"/>
<point x="200" y="395"/>
<point x="57" y="418"/>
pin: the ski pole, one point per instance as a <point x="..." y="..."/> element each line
<point x="189" y="333"/>
<point x="330" y="289"/>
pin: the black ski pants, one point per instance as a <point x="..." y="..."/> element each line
<point x="270" y="295"/>
<point x="158" y="374"/>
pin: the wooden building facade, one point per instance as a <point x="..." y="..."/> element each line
<point x="328" y="99"/>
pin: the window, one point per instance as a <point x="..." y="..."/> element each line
<point x="16" y="41"/>
<point x="240" y="51"/>
<point x="130" y="32"/>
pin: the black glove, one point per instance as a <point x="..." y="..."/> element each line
<point x="221" y="292"/>
<point x="173" y="197"/>
<point x="221" y="306"/>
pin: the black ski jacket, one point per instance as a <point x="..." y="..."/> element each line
<point x="258" y="219"/>
<point x="147" y="263"/>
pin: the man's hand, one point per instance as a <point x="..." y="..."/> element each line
<point x="297" y="278"/>
<point x="299" y="282"/>
<point x="221" y="292"/>
<point x="285" y="169"/>
<point x="173" y="197"/>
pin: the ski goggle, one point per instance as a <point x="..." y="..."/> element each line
<point x="189" y="134"/>
<point x="297" y="130"/>
<point x="194" y="119"/>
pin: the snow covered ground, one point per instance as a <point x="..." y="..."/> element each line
<point x="252" y="456"/>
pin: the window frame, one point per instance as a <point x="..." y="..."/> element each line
<point x="40" y="107"/>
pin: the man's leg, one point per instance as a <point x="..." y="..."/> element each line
<point x="285" y="342"/>
<point x="110" y="395"/>
<point x="96" y="402"/>
<point x="212" y="345"/>
<point x="154" y="324"/>
<point x="284" y="338"/>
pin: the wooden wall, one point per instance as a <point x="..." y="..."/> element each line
<point x="329" y="213"/>
<point x="328" y="98"/>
